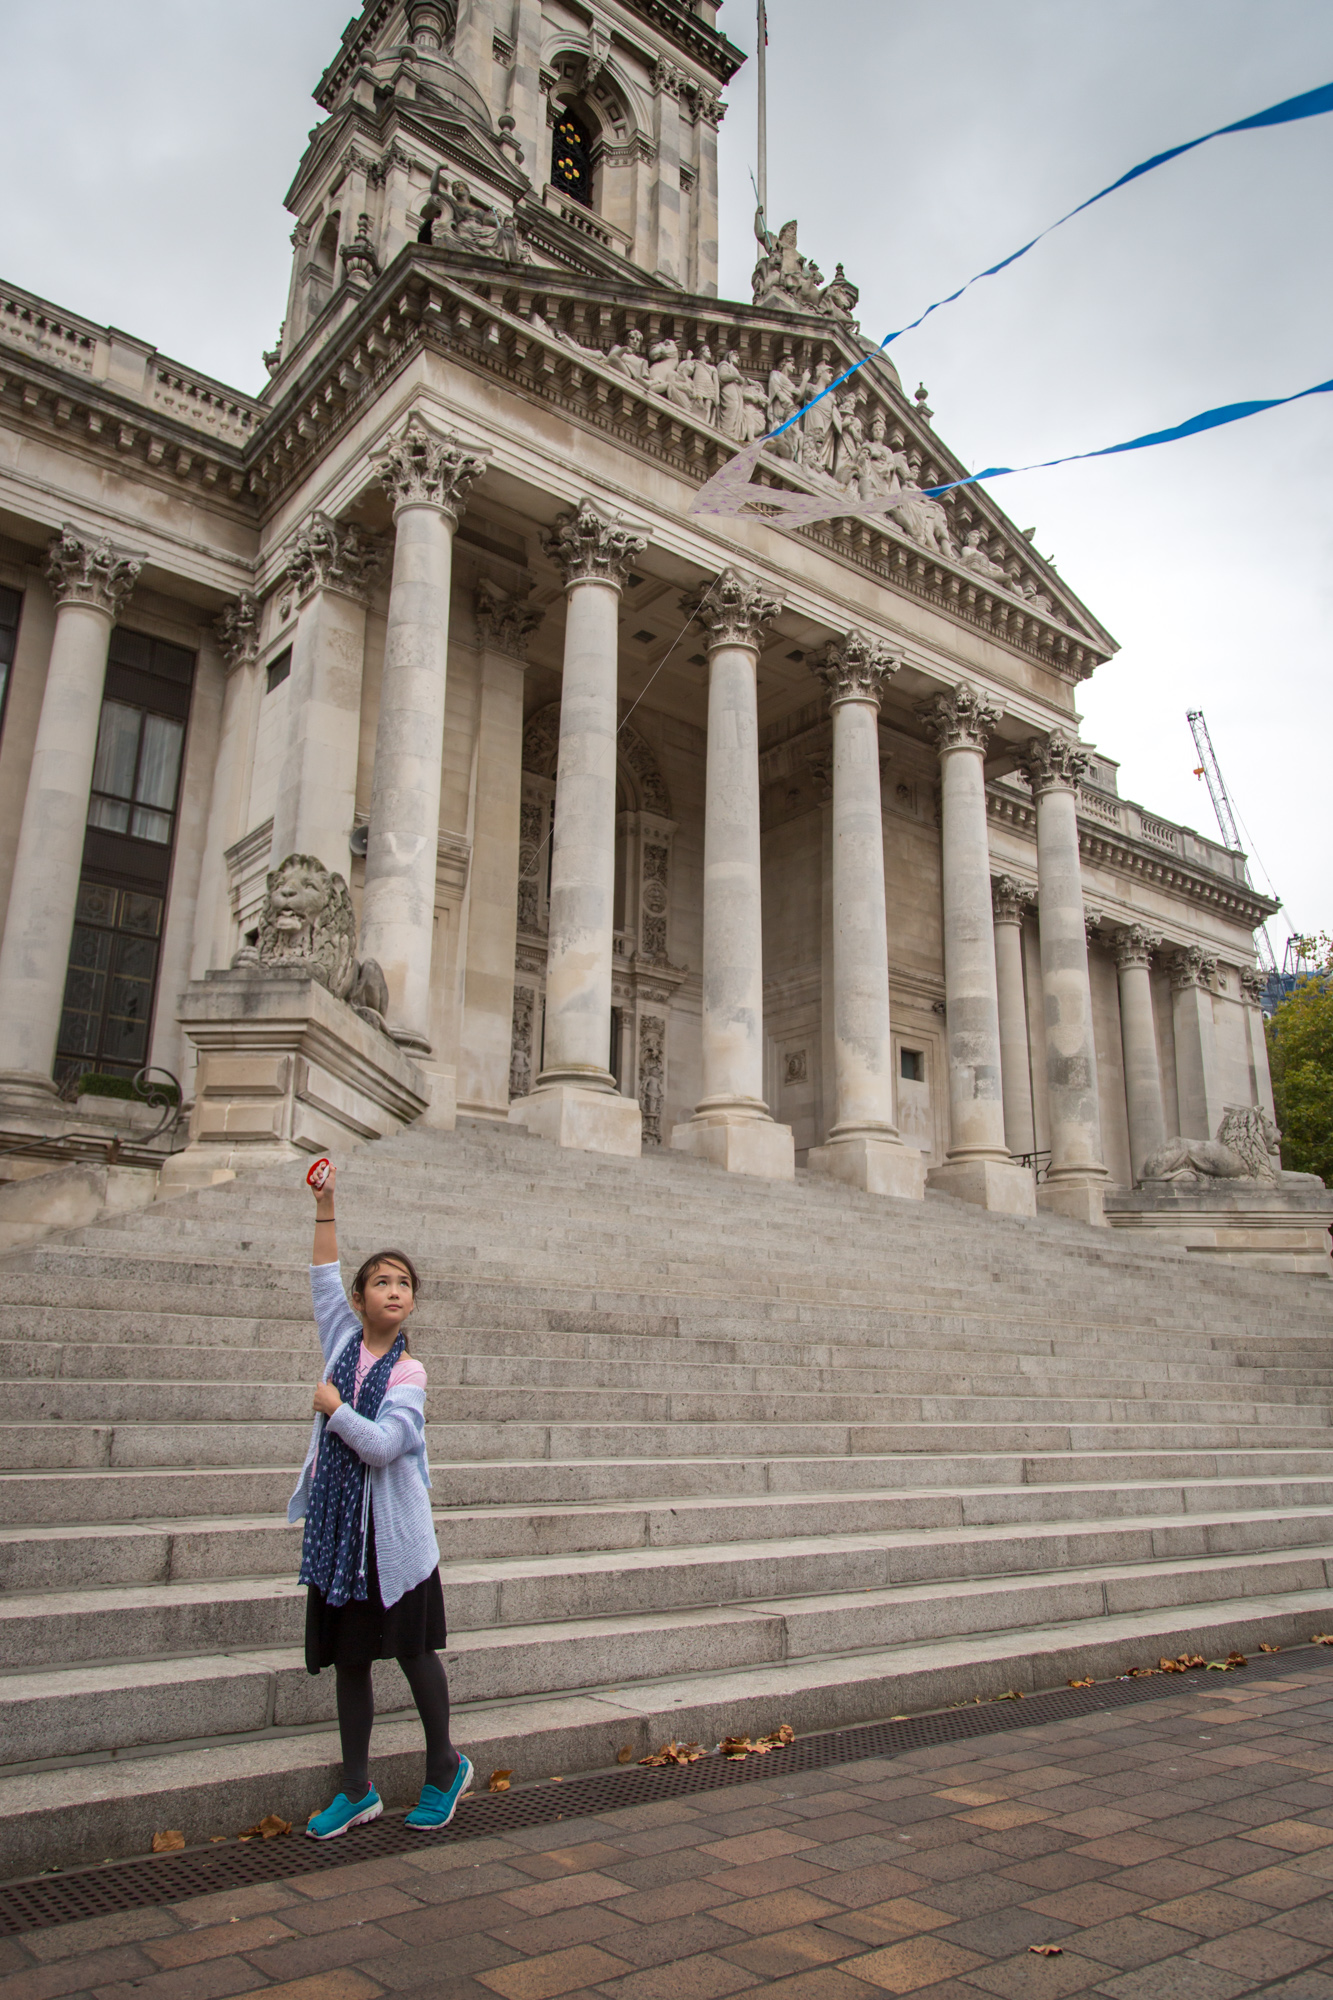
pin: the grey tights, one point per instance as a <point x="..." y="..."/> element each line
<point x="356" y="1717"/>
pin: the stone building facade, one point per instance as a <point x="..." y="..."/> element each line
<point x="661" y="829"/>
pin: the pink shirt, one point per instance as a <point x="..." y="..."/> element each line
<point x="405" y="1373"/>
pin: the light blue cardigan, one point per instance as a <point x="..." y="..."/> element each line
<point x="392" y="1447"/>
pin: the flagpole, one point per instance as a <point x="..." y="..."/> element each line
<point x="763" y="111"/>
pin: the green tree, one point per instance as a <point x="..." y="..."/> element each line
<point x="1300" y="1054"/>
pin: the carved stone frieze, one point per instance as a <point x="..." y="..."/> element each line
<point x="91" y="572"/>
<point x="503" y="622"/>
<point x="856" y="668"/>
<point x="237" y="628"/>
<point x="1011" y="899"/>
<point x="960" y="718"/>
<point x="734" y="610"/>
<point x="1190" y="965"/>
<point x="652" y="1075"/>
<point x="1053" y="763"/>
<point x="1253" y="985"/>
<point x="586" y="548"/>
<point x="1134" y="944"/>
<point x="520" y="1048"/>
<point x="326" y="554"/>
<point x="423" y="467"/>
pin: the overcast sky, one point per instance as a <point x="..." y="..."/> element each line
<point x="917" y="144"/>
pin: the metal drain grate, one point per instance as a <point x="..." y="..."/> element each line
<point x="44" y="1902"/>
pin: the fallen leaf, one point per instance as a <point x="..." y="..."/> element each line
<point x="267" y="1828"/>
<point x="217" y="1839"/>
<point x="557" y="1781"/>
<point x="625" y="1753"/>
<point x="1231" y="1662"/>
<point x="673" y="1753"/>
<point x="1264" y="1647"/>
<point x="499" y="1781"/>
<point x="1012" y="1695"/>
<point x="1321" y="1638"/>
<point x="1081" y="1684"/>
<point x="1046" y="1950"/>
<point x="168" y="1842"/>
<point x="1237" y="1660"/>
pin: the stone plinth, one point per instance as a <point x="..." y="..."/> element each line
<point x="1283" y="1228"/>
<point x="285" y="1072"/>
<point x="1000" y="1185"/>
<point x="758" y="1145"/>
<point x="879" y="1166"/>
<point x="589" y="1119"/>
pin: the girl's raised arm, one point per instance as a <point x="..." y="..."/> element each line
<point x="325" y="1249"/>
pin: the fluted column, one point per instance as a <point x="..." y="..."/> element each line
<point x="1134" y="947"/>
<point x="732" y="1125"/>
<point x="428" y="476"/>
<point x="978" y="1167"/>
<point x="863" y="1146"/>
<point x="576" y="1102"/>
<point x="1010" y="902"/>
<point x="90" y="581"/>
<point x="1076" y="1178"/>
<point x="237" y="627"/>
<point x="504" y="627"/>
<point x="1198" y="1093"/>
<point x="331" y="566"/>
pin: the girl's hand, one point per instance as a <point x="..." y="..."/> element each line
<point x="327" y="1400"/>
<point x="323" y="1193"/>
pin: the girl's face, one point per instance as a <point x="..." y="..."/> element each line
<point x="387" y="1300"/>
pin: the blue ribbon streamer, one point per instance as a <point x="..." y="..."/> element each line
<point x="1308" y="104"/>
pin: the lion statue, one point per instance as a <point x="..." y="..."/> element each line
<point x="1246" y="1149"/>
<point x="307" y="926"/>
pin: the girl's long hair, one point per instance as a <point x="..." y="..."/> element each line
<point x="372" y="1264"/>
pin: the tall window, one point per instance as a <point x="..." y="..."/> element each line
<point x="571" y="159"/>
<point x="114" y="953"/>
<point x="10" y="601"/>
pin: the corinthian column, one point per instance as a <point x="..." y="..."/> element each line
<point x="978" y="1167"/>
<point x="1198" y="1095"/>
<point x="863" y="1146"/>
<point x="1076" y="1178"/>
<point x="331" y="566"/>
<point x="1010" y="902"/>
<point x="427" y="476"/>
<point x="732" y="1125"/>
<point x="90" y="581"/>
<point x="237" y="627"/>
<point x="576" y="1102"/>
<point x="1134" y="947"/>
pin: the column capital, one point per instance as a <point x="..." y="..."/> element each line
<point x="1011" y="899"/>
<point x="1253" y="985"/>
<point x="326" y="554"/>
<point x="237" y="628"/>
<point x="587" y="548"/>
<point x="93" y="572"/>
<point x="856" y="668"/>
<point x="423" y="467"/>
<point x="734" y="609"/>
<point x="959" y="718"/>
<point x="1134" y="944"/>
<point x="1053" y="763"/>
<point x="503" y="621"/>
<point x="1190" y="965"/>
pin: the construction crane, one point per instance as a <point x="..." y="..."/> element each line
<point x="1210" y="771"/>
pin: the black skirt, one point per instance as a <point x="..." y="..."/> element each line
<point x="355" y="1633"/>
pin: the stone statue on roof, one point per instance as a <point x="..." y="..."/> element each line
<point x="783" y="276"/>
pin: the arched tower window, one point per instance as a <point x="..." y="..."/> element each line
<point x="571" y="158"/>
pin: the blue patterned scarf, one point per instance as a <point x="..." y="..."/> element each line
<point x="333" y="1551"/>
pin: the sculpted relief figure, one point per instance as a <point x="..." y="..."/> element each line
<point x="307" y="927"/>
<point x="630" y="359"/>
<point x="973" y="556"/>
<point x="706" y="385"/>
<point x="784" y="277"/>
<point x="473" y="226"/>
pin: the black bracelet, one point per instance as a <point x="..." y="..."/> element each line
<point x="324" y="1218"/>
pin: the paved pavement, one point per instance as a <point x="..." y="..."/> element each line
<point x="1181" y="1849"/>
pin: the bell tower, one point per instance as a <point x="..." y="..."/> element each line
<point x="579" y="136"/>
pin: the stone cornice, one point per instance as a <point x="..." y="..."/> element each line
<point x="484" y="319"/>
<point x="1139" y="860"/>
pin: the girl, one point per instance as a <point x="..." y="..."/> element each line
<point x="369" y="1556"/>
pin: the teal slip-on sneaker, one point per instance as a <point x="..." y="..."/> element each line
<point x="342" y="1814"/>
<point x="436" y="1808"/>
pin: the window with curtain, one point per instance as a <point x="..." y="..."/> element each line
<point x="136" y="773"/>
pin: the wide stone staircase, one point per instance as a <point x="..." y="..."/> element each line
<point x="709" y="1454"/>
